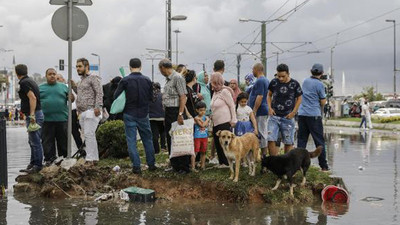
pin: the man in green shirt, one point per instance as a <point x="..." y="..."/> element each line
<point x="53" y="98"/>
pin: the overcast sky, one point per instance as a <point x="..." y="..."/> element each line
<point x="122" y="29"/>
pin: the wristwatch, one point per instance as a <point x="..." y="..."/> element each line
<point x="181" y="113"/>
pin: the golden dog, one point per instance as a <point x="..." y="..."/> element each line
<point x="237" y="148"/>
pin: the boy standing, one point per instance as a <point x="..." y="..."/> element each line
<point x="200" y="134"/>
<point x="284" y="98"/>
<point x="310" y="115"/>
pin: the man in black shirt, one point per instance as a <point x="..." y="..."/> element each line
<point x="284" y="98"/>
<point x="30" y="106"/>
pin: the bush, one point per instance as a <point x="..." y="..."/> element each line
<point x="111" y="140"/>
<point x="389" y="119"/>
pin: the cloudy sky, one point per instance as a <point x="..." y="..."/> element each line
<point x="122" y="29"/>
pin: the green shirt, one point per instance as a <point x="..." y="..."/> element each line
<point x="53" y="99"/>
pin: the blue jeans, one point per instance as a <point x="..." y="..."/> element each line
<point x="132" y="124"/>
<point x="34" y="139"/>
<point x="281" y="125"/>
<point x="312" y="125"/>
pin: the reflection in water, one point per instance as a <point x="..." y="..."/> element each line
<point x="335" y="209"/>
<point x="395" y="186"/>
<point x="346" y="151"/>
<point x="70" y="212"/>
<point x="3" y="210"/>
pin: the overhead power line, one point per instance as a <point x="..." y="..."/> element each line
<point x="356" y="25"/>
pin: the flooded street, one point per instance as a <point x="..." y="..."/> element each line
<point x="367" y="162"/>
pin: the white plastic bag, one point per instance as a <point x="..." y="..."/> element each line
<point x="182" y="142"/>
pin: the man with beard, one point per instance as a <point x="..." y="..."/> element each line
<point x="89" y="104"/>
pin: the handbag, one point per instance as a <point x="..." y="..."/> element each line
<point x="118" y="104"/>
<point x="182" y="142"/>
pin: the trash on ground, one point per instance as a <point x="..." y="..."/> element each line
<point x="137" y="194"/>
<point x="335" y="194"/>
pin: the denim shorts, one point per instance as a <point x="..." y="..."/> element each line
<point x="286" y="127"/>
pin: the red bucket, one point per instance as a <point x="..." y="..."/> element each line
<point x="332" y="193"/>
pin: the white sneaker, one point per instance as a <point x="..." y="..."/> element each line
<point x="223" y="166"/>
<point x="214" y="161"/>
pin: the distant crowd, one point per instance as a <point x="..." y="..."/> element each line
<point x="267" y="108"/>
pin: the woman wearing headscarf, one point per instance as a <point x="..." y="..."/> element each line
<point x="202" y="80"/>
<point x="223" y="112"/>
<point x="235" y="87"/>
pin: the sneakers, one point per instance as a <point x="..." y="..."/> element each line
<point x="27" y="168"/>
<point x="169" y="169"/>
<point x="222" y="166"/>
<point x="153" y="168"/>
<point x="136" y="170"/>
<point x="32" y="170"/>
<point x="214" y="161"/>
<point x="326" y="169"/>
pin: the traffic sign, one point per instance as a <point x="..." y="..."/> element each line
<point x="80" y="23"/>
<point x="75" y="2"/>
<point x="61" y="65"/>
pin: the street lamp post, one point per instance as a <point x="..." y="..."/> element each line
<point x="94" y="54"/>
<point x="152" y="58"/>
<point x="263" y="37"/>
<point x="177" y="31"/>
<point x="169" y="19"/>
<point x="394" y="56"/>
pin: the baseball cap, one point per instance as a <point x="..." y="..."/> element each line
<point x="317" y="68"/>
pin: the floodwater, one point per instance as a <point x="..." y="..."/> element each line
<point x="367" y="162"/>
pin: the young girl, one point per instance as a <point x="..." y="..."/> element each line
<point x="200" y="134"/>
<point x="245" y="116"/>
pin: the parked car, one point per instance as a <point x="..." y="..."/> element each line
<point x="393" y="103"/>
<point x="386" y="113"/>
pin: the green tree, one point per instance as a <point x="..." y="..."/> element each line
<point x="370" y="94"/>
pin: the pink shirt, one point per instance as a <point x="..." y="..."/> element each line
<point x="223" y="108"/>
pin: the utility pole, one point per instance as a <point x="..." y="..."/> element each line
<point x="263" y="37"/>
<point x="332" y="63"/>
<point x="394" y="57"/>
<point x="169" y="42"/>
<point x="264" y="46"/>
<point x="239" y="59"/>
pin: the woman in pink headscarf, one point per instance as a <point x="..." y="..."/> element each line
<point x="235" y="87"/>
<point x="223" y="112"/>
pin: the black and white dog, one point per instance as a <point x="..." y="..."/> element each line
<point x="285" y="166"/>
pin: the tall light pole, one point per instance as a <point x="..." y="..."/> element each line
<point x="94" y="54"/>
<point x="177" y="31"/>
<point x="394" y="56"/>
<point x="263" y="37"/>
<point x="152" y="58"/>
<point x="169" y="19"/>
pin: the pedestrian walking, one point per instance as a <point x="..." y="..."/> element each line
<point x="284" y="98"/>
<point x="89" y="103"/>
<point x="310" y="115"/>
<point x="53" y="99"/>
<point x="30" y="106"/>
<point x="139" y="93"/>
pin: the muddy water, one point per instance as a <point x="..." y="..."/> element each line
<point x="367" y="161"/>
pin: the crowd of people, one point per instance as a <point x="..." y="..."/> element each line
<point x="265" y="107"/>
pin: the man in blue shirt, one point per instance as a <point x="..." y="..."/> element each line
<point x="139" y="93"/>
<point x="258" y="102"/>
<point x="310" y="115"/>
